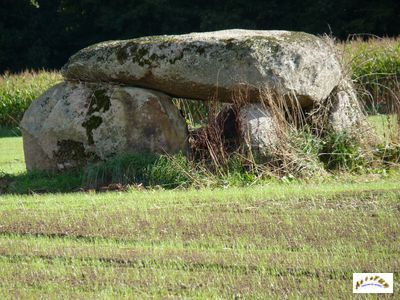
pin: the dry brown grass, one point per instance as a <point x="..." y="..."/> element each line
<point x="374" y="66"/>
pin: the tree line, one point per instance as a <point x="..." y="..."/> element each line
<point x="44" y="33"/>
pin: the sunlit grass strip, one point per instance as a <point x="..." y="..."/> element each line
<point x="211" y="243"/>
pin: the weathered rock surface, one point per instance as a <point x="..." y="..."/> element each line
<point x="258" y="128"/>
<point x="203" y="65"/>
<point x="346" y="113"/>
<point x="73" y="123"/>
<point x="97" y="113"/>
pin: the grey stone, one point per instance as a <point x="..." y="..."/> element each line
<point x="346" y="114"/>
<point x="259" y="128"/>
<point x="212" y="64"/>
<point x="74" y="123"/>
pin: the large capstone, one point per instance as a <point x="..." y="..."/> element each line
<point x="213" y="64"/>
<point x="73" y="123"/>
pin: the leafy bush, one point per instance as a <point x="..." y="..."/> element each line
<point x="19" y="90"/>
<point x="307" y="148"/>
<point x="341" y="151"/>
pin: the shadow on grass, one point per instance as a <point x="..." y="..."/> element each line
<point x="40" y="182"/>
<point x="117" y="173"/>
<point x="10" y="132"/>
<point x="36" y="182"/>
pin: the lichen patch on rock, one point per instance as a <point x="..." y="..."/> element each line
<point x="99" y="103"/>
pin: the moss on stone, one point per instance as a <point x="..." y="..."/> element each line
<point x="99" y="102"/>
<point x="122" y="55"/>
<point x="200" y="50"/>
<point x="138" y="50"/>
<point x="92" y="123"/>
<point x="69" y="150"/>
<point x="295" y="36"/>
<point x="241" y="46"/>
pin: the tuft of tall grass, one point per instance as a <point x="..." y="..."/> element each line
<point x="375" y="67"/>
<point x="342" y="152"/>
<point x="373" y="58"/>
<point x="194" y="111"/>
<point x="17" y="91"/>
<point x="147" y="169"/>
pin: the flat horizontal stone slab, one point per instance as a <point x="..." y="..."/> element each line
<point x="212" y="64"/>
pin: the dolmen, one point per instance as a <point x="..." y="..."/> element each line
<point x="117" y="95"/>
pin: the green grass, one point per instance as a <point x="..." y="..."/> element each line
<point x="276" y="240"/>
<point x="13" y="175"/>
<point x="374" y="65"/>
<point x="17" y="91"/>
<point x="374" y="58"/>
<point x="147" y="169"/>
<point x="385" y="126"/>
<point x="11" y="152"/>
<point x="152" y="171"/>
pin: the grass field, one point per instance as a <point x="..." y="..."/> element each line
<point x="11" y="152"/>
<point x="277" y="240"/>
<point x="270" y="241"/>
<point x="385" y="126"/>
<point x="273" y="241"/>
<point x="17" y="91"/>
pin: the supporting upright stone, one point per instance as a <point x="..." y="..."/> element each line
<point x="346" y="114"/>
<point x="258" y="128"/>
<point x="74" y="123"/>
